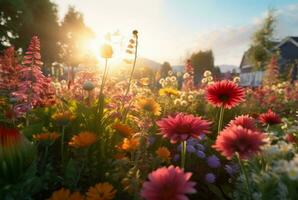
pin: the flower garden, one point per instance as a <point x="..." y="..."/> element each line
<point x="100" y="137"/>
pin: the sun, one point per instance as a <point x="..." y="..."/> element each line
<point x="94" y="45"/>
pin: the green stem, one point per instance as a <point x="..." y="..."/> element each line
<point x="267" y="128"/>
<point x="130" y="79"/>
<point x="62" y="145"/>
<point x="103" y="77"/>
<point x="220" y="121"/>
<point x="245" y="176"/>
<point x="45" y="157"/>
<point x="183" y="154"/>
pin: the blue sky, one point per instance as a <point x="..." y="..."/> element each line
<point x="172" y="29"/>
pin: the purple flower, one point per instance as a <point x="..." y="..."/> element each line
<point x="200" y="154"/>
<point x="210" y="178"/>
<point x="176" y="157"/>
<point x="200" y="147"/>
<point x="202" y="137"/>
<point x="192" y="141"/>
<point x="151" y="140"/>
<point x="190" y="149"/>
<point x="213" y="161"/>
<point x="179" y="147"/>
<point x="231" y="169"/>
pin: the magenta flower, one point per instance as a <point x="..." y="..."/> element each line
<point x="168" y="183"/>
<point x="182" y="127"/>
<point x="236" y="139"/>
<point x="245" y="121"/>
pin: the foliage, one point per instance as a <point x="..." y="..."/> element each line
<point x="110" y="140"/>
<point x="202" y="61"/>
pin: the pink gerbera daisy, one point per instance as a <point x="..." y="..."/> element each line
<point x="170" y="183"/>
<point x="270" y="118"/>
<point x="236" y="139"/>
<point x="224" y="93"/>
<point x="181" y="127"/>
<point x="245" y="121"/>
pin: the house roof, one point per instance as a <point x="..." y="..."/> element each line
<point x="293" y="40"/>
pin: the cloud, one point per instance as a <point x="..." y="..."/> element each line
<point x="229" y="43"/>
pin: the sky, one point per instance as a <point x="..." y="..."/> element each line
<point x="170" y="30"/>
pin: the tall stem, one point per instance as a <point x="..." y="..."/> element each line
<point x="130" y="79"/>
<point x="267" y="128"/>
<point x="62" y="145"/>
<point x="183" y="154"/>
<point x="243" y="171"/>
<point x="103" y="77"/>
<point x="220" y="121"/>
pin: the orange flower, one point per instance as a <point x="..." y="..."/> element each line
<point x="46" y="136"/>
<point x="65" y="194"/>
<point x="101" y="191"/>
<point x="149" y="105"/>
<point x="145" y="81"/>
<point x="83" y="139"/>
<point x="119" y="156"/>
<point x="163" y="153"/>
<point x="123" y="129"/>
<point x="129" y="144"/>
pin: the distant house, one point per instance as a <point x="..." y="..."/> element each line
<point x="288" y="50"/>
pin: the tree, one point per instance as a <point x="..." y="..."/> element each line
<point x="202" y="61"/>
<point x="74" y="37"/>
<point x="9" y="69"/>
<point x="22" y="19"/>
<point x="262" y="41"/>
<point x="164" y="69"/>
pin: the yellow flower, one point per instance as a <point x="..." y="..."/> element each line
<point x="106" y="51"/>
<point x="65" y="194"/>
<point x="123" y="129"/>
<point x="168" y="91"/>
<point x="129" y="144"/>
<point x="101" y="191"/>
<point x="149" y="105"/>
<point x="63" y="116"/>
<point x="163" y="153"/>
<point x="144" y="81"/>
<point x="83" y="139"/>
<point x="46" y="136"/>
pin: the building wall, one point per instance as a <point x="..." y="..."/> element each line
<point x="251" y="78"/>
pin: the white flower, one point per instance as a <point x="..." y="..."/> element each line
<point x="173" y="78"/>
<point x="186" y="75"/>
<point x="207" y="73"/>
<point x="170" y="73"/>
<point x="183" y="103"/>
<point x="293" y="173"/>
<point x="204" y="80"/>
<point x="161" y="81"/>
<point x="210" y="78"/>
<point x="177" y="101"/>
<point x="190" y="98"/>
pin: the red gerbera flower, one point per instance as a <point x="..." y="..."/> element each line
<point x="170" y="183"/>
<point x="181" y="127"/>
<point x="245" y="121"/>
<point x="9" y="136"/>
<point x="270" y="118"/>
<point x="224" y="93"/>
<point x="236" y="139"/>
